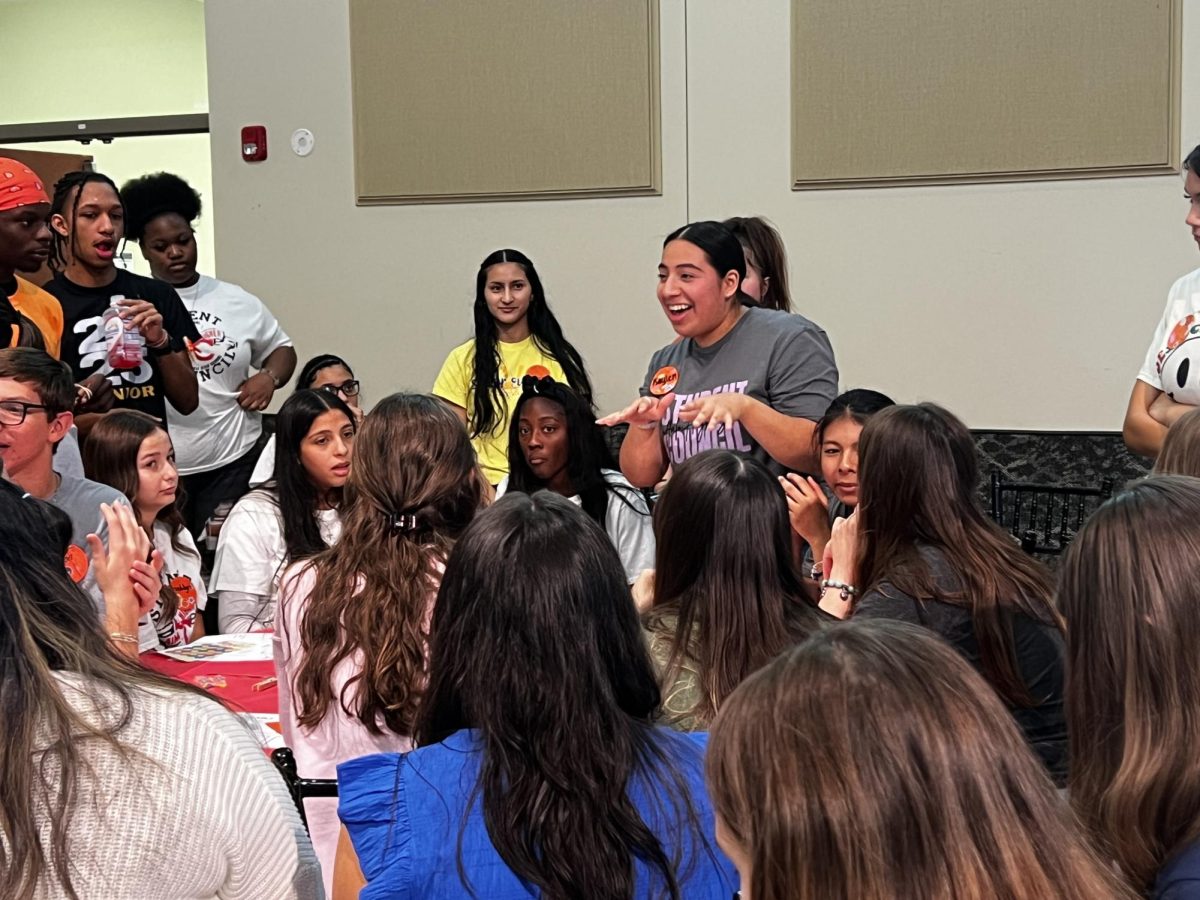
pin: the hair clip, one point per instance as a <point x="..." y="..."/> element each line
<point x="405" y="522"/>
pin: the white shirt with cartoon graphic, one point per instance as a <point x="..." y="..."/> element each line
<point x="237" y="333"/>
<point x="1172" y="363"/>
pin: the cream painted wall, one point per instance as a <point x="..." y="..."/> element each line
<point x="131" y="58"/>
<point x="1017" y="305"/>
<point x="391" y="288"/>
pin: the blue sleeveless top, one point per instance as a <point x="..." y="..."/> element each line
<point x="403" y="812"/>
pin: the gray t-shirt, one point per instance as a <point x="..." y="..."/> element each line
<point x="80" y="499"/>
<point x="780" y="359"/>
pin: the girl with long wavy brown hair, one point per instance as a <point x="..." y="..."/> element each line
<point x="872" y="763"/>
<point x="920" y="549"/>
<point x="350" y="646"/>
<point x="1130" y="589"/>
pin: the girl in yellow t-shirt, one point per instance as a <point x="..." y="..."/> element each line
<point x="516" y="335"/>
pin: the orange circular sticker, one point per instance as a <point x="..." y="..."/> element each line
<point x="77" y="563"/>
<point x="664" y="381"/>
<point x="538" y="371"/>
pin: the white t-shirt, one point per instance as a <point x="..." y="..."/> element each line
<point x="630" y="528"/>
<point x="1172" y="363"/>
<point x="264" y="469"/>
<point x="237" y="332"/>
<point x="197" y="811"/>
<point x="181" y="571"/>
<point x="251" y="551"/>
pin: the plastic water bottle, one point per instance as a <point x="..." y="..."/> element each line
<point x="124" y="343"/>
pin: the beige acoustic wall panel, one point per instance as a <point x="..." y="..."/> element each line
<point x="458" y="100"/>
<point x="927" y="91"/>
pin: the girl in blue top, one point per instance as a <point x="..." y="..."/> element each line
<point x="538" y="773"/>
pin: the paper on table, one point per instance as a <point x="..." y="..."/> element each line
<point x="249" y="647"/>
<point x="266" y="728"/>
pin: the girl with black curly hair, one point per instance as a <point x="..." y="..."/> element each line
<point x="215" y="446"/>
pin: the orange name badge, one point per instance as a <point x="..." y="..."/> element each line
<point x="664" y="381"/>
<point x="76" y="563"/>
<point x="538" y="372"/>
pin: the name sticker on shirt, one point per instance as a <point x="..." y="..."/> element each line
<point x="664" y="381"/>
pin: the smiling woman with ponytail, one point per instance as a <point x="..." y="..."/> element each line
<point x="352" y="621"/>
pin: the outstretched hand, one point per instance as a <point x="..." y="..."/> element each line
<point x="645" y="412"/>
<point x="714" y="410"/>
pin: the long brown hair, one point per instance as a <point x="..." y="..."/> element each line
<point x="49" y="627"/>
<point x="413" y="488"/>
<point x="872" y="762"/>
<point x="917" y="481"/>
<point x="110" y="456"/>
<point x="1130" y="589"/>
<point x="1180" y="453"/>
<point x="724" y="570"/>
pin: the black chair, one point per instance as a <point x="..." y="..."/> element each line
<point x="301" y="788"/>
<point x="1044" y="517"/>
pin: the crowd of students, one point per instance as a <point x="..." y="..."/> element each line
<point x="510" y="644"/>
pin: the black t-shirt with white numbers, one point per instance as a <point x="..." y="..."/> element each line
<point x="83" y="337"/>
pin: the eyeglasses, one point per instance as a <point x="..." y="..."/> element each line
<point x="346" y="388"/>
<point x="13" y="412"/>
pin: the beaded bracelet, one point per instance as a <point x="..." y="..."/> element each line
<point x="845" y="591"/>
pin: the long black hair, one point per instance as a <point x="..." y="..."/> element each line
<point x="291" y="487"/>
<point x="72" y="181"/>
<point x="587" y="452"/>
<point x="487" y="394"/>
<point x="552" y="670"/>
<point x="726" y="574"/>
<point x="151" y="196"/>
<point x="723" y="249"/>
<point x="857" y="404"/>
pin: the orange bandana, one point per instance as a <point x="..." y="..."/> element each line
<point x="19" y="185"/>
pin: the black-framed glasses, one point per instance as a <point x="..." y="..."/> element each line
<point x="13" y="412"/>
<point x="346" y="388"/>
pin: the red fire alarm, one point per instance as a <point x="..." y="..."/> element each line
<point x="254" y="143"/>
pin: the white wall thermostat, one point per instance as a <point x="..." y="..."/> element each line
<point x="302" y="142"/>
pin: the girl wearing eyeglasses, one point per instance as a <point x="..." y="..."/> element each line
<point x="325" y="372"/>
<point x="241" y="357"/>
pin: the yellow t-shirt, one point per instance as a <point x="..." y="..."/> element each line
<point x="454" y="383"/>
<point x="43" y="310"/>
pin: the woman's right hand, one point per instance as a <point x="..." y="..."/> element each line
<point x="808" y="510"/>
<point x="645" y="413"/>
<point x="113" y="566"/>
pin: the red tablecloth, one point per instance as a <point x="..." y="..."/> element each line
<point x="240" y="678"/>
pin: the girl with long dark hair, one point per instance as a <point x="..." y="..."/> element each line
<point x="812" y="513"/>
<point x="727" y="595"/>
<point x="538" y="771"/>
<point x="872" y="763"/>
<point x="324" y="372"/>
<point x="352" y="620"/>
<point x="741" y="378"/>
<point x="292" y="517"/>
<point x="516" y="335"/>
<point x="110" y="769"/>
<point x="132" y="452"/>
<point x="555" y="444"/>
<point x="217" y="443"/>
<point x="919" y="548"/>
<point x="1130" y="591"/>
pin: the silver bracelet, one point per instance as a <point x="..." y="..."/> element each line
<point x="845" y="591"/>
